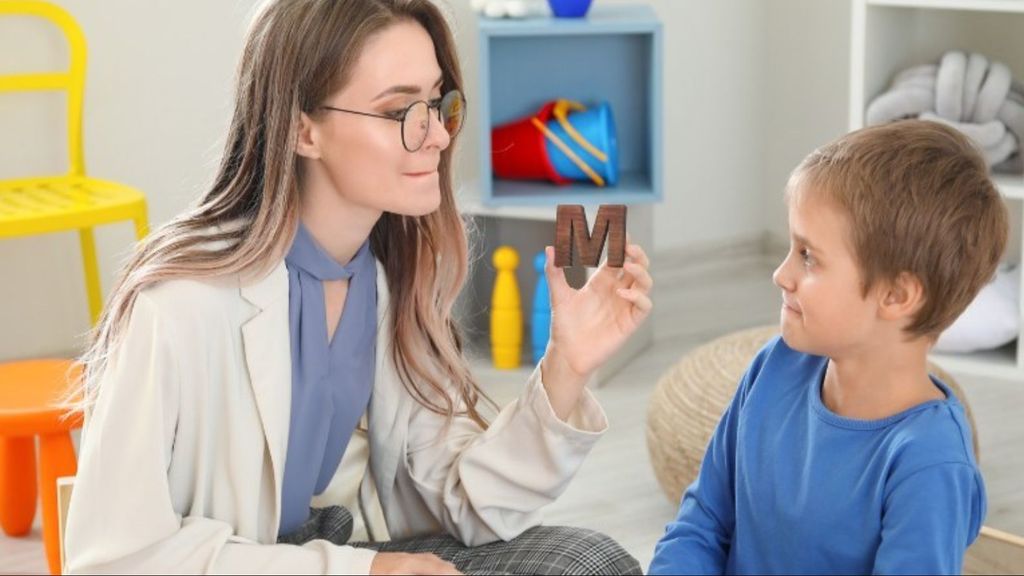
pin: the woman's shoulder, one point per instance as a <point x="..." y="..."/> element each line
<point x="176" y="294"/>
<point x="197" y="304"/>
<point x="215" y="292"/>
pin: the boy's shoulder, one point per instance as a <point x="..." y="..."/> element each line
<point x="933" y="434"/>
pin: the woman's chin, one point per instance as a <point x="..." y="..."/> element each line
<point x="419" y="206"/>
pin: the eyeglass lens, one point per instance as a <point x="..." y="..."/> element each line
<point x="451" y="112"/>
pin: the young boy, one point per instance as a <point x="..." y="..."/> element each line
<point x="839" y="453"/>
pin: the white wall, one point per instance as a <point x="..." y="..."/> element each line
<point x="714" y="118"/>
<point x="806" y="90"/>
<point x="750" y="87"/>
<point x="158" y="99"/>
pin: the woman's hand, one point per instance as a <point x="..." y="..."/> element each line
<point x="402" y="563"/>
<point x="588" y="325"/>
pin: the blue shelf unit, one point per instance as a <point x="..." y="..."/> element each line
<point x="614" y="54"/>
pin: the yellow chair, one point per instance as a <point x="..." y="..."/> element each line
<point x="41" y="205"/>
<point x="71" y="201"/>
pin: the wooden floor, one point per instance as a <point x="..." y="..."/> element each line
<point x="616" y="492"/>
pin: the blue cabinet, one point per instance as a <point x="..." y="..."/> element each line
<point x="613" y="55"/>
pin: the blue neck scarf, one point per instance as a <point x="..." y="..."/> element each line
<point x="331" y="381"/>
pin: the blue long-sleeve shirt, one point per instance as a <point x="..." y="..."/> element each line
<point x="788" y="486"/>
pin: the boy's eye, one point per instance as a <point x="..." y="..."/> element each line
<point x="806" y="255"/>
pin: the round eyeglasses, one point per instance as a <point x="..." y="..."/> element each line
<point x="415" y="118"/>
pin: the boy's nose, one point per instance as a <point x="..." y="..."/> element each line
<point x="781" y="279"/>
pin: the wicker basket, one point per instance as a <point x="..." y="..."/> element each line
<point x="691" y="397"/>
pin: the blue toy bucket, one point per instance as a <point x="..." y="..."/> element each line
<point x="597" y="126"/>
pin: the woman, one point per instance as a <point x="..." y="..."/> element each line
<point x="312" y="287"/>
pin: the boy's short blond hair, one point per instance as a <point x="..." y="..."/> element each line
<point x="919" y="199"/>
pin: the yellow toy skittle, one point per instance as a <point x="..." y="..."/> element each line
<point x="506" y="311"/>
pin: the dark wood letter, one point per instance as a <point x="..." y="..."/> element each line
<point x="572" y="230"/>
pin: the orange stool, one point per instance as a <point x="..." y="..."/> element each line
<point x="28" y="391"/>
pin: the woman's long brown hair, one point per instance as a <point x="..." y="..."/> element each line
<point x="299" y="52"/>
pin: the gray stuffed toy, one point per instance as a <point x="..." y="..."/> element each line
<point x="976" y="96"/>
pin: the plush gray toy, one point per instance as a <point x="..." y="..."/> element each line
<point x="509" y="8"/>
<point x="968" y="92"/>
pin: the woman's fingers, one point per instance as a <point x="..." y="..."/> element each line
<point x="635" y="269"/>
<point x="634" y="275"/>
<point x="557" y="284"/>
<point x="641" y="301"/>
<point x="638" y="277"/>
<point x="410" y="563"/>
<point x="444" y="568"/>
<point x="638" y="255"/>
<point x="431" y="564"/>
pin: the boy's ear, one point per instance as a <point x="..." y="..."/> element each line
<point x="901" y="298"/>
<point x="307" y="143"/>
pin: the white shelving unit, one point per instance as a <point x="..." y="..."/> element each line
<point x="888" y="36"/>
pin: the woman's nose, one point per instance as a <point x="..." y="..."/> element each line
<point x="437" y="135"/>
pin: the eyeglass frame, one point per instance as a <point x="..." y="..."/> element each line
<point x="405" y="113"/>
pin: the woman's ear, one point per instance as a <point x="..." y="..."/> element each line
<point x="901" y="298"/>
<point x="307" y="142"/>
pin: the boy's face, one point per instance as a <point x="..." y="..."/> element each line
<point x="824" y="311"/>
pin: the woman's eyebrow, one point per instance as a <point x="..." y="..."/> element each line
<point x="405" y="89"/>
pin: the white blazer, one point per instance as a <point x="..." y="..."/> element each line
<point x="182" y="457"/>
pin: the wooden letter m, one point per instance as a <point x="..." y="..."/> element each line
<point x="575" y="245"/>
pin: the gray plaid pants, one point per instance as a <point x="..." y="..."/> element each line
<point x="540" y="550"/>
